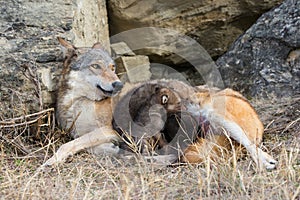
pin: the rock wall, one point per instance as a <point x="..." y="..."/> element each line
<point x="90" y="23"/>
<point x="28" y="33"/>
<point x="265" y="61"/>
<point x="30" y="57"/>
<point x="215" y="24"/>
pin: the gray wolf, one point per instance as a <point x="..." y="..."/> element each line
<point x="84" y="103"/>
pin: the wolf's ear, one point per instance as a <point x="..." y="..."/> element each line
<point x="65" y="44"/>
<point x="97" y="46"/>
<point x="66" y="47"/>
<point x="69" y="52"/>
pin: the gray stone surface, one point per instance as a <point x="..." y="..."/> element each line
<point x="28" y="37"/>
<point x="90" y="23"/>
<point x="121" y="49"/>
<point x="265" y="60"/>
<point x="215" y="24"/>
<point x="28" y="31"/>
<point x="134" y="68"/>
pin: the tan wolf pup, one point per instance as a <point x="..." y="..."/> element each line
<point x="229" y="115"/>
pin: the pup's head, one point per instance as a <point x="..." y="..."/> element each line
<point x="168" y="98"/>
<point x="91" y="69"/>
<point x="141" y="114"/>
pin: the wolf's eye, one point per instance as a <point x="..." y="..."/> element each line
<point x="164" y="99"/>
<point x="112" y="67"/>
<point x="95" y="66"/>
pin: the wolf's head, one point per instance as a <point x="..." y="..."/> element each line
<point x="91" y="71"/>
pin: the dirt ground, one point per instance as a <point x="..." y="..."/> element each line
<point x="85" y="176"/>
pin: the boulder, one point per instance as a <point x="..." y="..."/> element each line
<point x="90" y="24"/>
<point x="30" y="57"/>
<point x="121" y="49"/>
<point x="29" y="52"/>
<point x="214" y="24"/>
<point x="134" y="68"/>
<point x="130" y="67"/>
<point x="265" y="60"/>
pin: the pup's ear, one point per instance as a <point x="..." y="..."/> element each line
<point x="157" y="89"/>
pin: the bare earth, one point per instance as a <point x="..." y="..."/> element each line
<point x="87" y="177"/>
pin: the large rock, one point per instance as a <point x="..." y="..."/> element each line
<point x="215" y="24"/>
<point x="266" y="59"/>
<point x="130" y="67"/>
<point x="28" y="32"/>
<point x="90" y="23"/>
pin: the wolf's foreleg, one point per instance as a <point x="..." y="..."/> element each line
<point x="97" y="137"/>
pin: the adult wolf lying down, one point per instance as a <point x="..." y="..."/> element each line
<point x="89" y="91"/>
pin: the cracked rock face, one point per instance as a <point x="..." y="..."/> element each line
<point x="28" y="36"/>
<point x="215" y="24"/>
<point x="28" y="31"/>
<point x="265" y="61"/>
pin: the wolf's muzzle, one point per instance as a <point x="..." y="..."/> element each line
<point x="117" y="85"/>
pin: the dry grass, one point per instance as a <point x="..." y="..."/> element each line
<point x="87" y="177"/>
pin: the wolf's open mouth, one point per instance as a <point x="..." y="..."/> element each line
<point x="106" y="92"/>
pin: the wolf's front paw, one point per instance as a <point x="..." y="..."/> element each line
<point x="162" y="160"/>
<point x="51" y="161"/>
<point x="104" y="149"/>
<point x="266" y="161"/>
<point x="60" y="156"/>
<point x="55" y="159"/>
